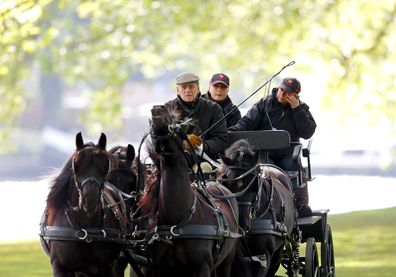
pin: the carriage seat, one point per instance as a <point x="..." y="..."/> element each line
<point x="269" y="140"/>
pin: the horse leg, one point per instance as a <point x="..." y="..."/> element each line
<point x="204" y="271"/>
<point x="119" y="267"/>
<point x="224" y="269"/>
<point x="59" y="271"/>
<point x="274" y="262"/>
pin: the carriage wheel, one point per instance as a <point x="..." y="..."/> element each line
<point x="327" y="256"/>
<point x="311" y="259"/>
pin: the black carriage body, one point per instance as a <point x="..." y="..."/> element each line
<point x="313" y="229"/>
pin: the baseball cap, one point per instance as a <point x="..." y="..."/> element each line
<point x="220" y="78"/>
<point x="290" y="85"/>
<point x="186" y="77"/>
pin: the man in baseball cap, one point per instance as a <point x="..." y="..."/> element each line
<point x="219" y="87"/>
<point x="283" y="110"/>
<point x="290" y="85"/>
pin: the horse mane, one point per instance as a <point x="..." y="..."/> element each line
<point x="57" y="196"/>
<point x="241" y="145"/>
<point x="150" y="197"/>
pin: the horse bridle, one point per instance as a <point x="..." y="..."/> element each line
<point x="80" y="184"/>
<point x="256" y="171"/>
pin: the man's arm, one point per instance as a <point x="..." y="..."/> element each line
<point x="305" y="123"/>
<point x="252" y="120"/>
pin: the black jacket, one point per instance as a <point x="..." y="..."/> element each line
<point x="227" y="106"/>
<point x="299" y="122"/>
<point x="207" y="113"/>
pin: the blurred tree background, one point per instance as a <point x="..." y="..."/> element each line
<point x="345" y="49"/>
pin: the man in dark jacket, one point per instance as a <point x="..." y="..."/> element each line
<point x="219" y="87"/>
<point x="190" y="103"/>
<point x="283" y="110"/>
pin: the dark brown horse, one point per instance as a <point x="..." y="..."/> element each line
<point x="195" y="234"/>
<point x="83" y="228"/>
<point x="266" y="210"/>
<point x="123" y="181"/>
<point x="123" y="176"/>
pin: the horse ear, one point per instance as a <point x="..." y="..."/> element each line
<point x="102" y="141"/>
<point x="79" y="141"/>
<point x="130" y="152"/>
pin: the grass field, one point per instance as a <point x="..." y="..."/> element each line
<point x="364" y="245"/>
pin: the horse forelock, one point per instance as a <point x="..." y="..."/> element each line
<point x="175" y="113"/>
<point x="96" y="158"/>
<point x="239" y="149"/>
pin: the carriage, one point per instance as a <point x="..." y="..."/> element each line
<point x="197" y="235"/>
<point x="313" y="234"/>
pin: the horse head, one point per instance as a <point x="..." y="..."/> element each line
<point x="168" y="131"/>
<point x="240" y="174"/>
<point x="123" y="176"/>
<point x="90" y="165"/>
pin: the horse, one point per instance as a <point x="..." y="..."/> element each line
<point x="267" y="213"/>
<point x="191" y="233"/>
<point x="83" y="228"/>
<point x="124" y="176"/>
<point x="122" y="180"/>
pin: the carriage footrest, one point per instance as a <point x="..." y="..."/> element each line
<point x="314" y="226"/>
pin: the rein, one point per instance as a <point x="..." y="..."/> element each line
<point x="254" y="170"/>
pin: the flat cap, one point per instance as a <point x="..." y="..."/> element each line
<point x="186" y="77"/>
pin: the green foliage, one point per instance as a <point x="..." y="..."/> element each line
<point x="344" y="47"/>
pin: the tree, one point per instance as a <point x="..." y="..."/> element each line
<point x="348" y="46"/>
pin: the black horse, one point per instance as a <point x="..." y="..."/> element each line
<point x="267" y="213"/>
<point x="83" y="229"/>
<point x="124" y="176"/>
<point x="193" y="234"/>
<point x="122" y="182"/>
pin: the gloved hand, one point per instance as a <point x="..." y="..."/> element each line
<point x="195" y="140"/>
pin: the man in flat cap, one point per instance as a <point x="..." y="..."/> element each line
<point x="219" y="87"/>
<point x="191" y="105"/>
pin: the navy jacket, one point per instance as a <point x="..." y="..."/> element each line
<point x="227" y="106"/>
<point x="299" y="122"/>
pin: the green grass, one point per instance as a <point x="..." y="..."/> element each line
<point x="364" y="246"/>
<point x="365" y="243"/>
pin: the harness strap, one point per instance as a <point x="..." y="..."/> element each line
<point x="87" y="235"/>
<point x="266" y="226"/>
<point x="195" y="232"/>
<point x="118" y="209"/>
